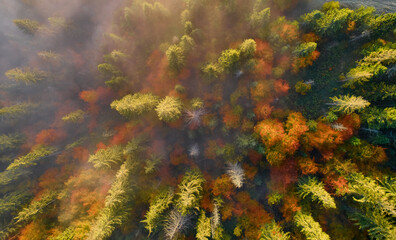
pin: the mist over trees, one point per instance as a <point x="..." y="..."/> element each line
<point x="197" y="119"/>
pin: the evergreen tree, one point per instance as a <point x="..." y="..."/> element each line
<point x="26" y="75"/>
<point x="16" y="111"/>
<point x="212" y="71"/>
<point x="348" y="104"/>
<point x="305" y="49"/>
<point x="370" y="193"/>
<point x="106" y="158"/>
<point x="309" y="227"/>
<point x="136" y="104"/>
<point x="272" y="231"/>
<point x="32" y="158"/>
<point x="169" y="109"/>
<point x="203" y="227"/>
<point x="27" y="26"/>
<point x="260" y="18"/>
<point x="190" y="192"/>
<point x="229" y="59"/>
<point x="315" y="189"/>
<point x="9" y="142"/>
<point x="75" y="117"/>
<point x="157" y="207"/>
<point x="116" y="210"/>
<point x="247" y="49"/>
<point x="176" y="58"/>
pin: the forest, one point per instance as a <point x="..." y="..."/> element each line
<point x="197" y="119"/>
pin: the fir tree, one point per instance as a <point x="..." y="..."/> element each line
<point x="203" y="227"/>
<point x="176" y="224"/>
<point x="169" y="109"/>
<point x="106" y="158"/>
<point x="157" y="207"/>
<point x="309" y="227"/>
<point x="348" y="104"/>
<point x="272" y="231"/>
<point x="136" y="104"/>
<point x="27" y="75"/>
<point x="190" y="192"/>
<point x="315" y="189"/>
<point x="27" y="26"/>
<point x="32" y="158"/>
<point x="75" y="117"/>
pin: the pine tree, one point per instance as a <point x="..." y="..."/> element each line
<point x="136" y="104"/>
<point x="75" y="117"/>
<point x="315" y="189"/>
<point x="272" y="231"/>
<point x="309" y="227"/>
<point x="9" y="142"/>
<point x="305" y="49"/>
<point x="32" y="158"/>
<point x="212" y="71"/>
<point x="229" y="59"/>
<point x="203" y="227"/>
<point x="348" y="104"/>
<point x="27" y="75"/>
<point x="16" y="111"/>
<point x="157" y="207"/>
<point x="27" y="26"/>
<point x="190" y="192"/>
<point x="260" y="18"/>
<point x="106" y="158"/>
<point x="116" y="210"/>
<point x="176" y="58"/>
<point x="169" y="109"/>
<point x="247" y="49"/>
<point x="370" y="193"/>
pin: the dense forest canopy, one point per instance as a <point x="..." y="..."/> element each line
<point x="197" y="119"/>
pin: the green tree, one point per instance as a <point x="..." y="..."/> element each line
<point x="27" y="26"/>
<point x="169" y="109"/>
<point x="212" y="71"/>
<point x="115" y="211"/>
<point x="309" y="227"/>
<point x="75" y="117"/>
<point x="108" y="69"/>
<point x="229" y="59"/>
<point x="247" y="49"/>
<point x="32" y="158"/>
<point x="305" y="49"/>
<point x="370" y="193"/>
<point x="26" y="75"/>
<point x="158" y="206"/>
<point x="190" y="192"/>
<point x="315" y="189"/>
<point x="9" y="142"/>
<point x="106" y="158"/>
<point x="272" y="231"/>
<point x="203" y="227"/>
<point x="379" y="118"/>
<point x="260" y="19"/>
<point x="176" y="58"/>
<point x="348" y="104"/>
<point x="302" y="87"/>
<point x="136" y="104"/>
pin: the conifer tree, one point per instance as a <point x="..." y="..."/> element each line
<point x="348" y="104"/>
<point x="309" y="227"/>
<point x="169" y="109"/>
<point x="176" y="224"/>
<point x="27" y="26"/>
<point x="272" y="231"/>
<point x="116" y="210"/>
<point x="203" y="227"/>
<point x="75" y="117"/>
<point x="315" y="189"/>
<point x="26" y="75"/>
<point x="9" y="142"/>
<point x="190" y="192"/>
<point x="136" y="104"/>
<point x="16" y="111"/>
<point x="32" y="158"/>
<point x="157" y="207"/>
<point x="229" y="59"/>
<point x="176" y="58"/>
<point x="106" y="158"/>
<point x="247" y="49"/>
